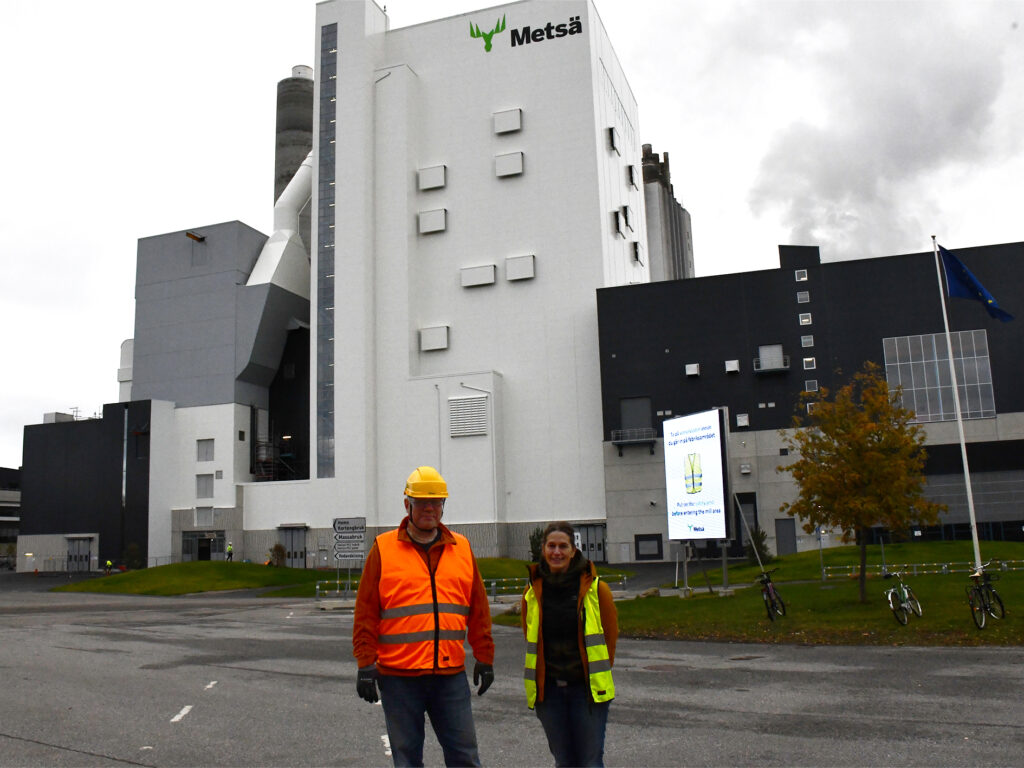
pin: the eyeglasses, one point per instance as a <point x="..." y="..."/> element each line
<point x="428" y="503"/>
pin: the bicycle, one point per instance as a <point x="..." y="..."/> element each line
<point x="901" y="598"/>
<point x="982" y="596"/>
<point x="772" y="602"/>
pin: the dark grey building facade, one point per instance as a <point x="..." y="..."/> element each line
<point x="753" y="342"/>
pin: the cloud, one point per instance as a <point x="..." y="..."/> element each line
<point x="902" y="97"/>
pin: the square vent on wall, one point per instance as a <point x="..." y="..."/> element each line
<point x="467" y="416"/>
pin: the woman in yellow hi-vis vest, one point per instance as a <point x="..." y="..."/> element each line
<point x="571" y="627"/>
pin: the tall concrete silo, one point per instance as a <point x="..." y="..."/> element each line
<point x="294" y="135"/>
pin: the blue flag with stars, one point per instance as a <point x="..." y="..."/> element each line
<point x="960" y="282"/>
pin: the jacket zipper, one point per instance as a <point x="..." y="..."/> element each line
<point x="437" y="613"/>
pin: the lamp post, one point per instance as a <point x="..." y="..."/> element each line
<point x="821" y="554"/>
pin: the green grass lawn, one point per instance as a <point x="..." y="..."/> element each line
<point x="817" y="613"/>
<point x="187" y="578"/>
<point x="828" y="614"/>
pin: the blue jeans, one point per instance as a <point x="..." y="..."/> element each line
<point x="445" y="698"/>
<point x="573" y="724"/>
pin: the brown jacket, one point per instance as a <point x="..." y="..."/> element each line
<point x="609" y="618"/>
<point x="367" y="611"/>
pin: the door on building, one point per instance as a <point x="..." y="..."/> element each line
<point x="203" y="548"/>
<point x="79" y="555"/>
<point x="592" y="541"/>
<point x="294" y="542"/>
<point x="785" y="536"/>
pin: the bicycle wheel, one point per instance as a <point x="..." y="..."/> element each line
<point x="780" y="607"/>
<point x="897" y="607"/>
<point x="977" y="607"/>
<point x="768" y="606"/>
<point x="995" y="604"/>
<point x="913" y="602"/>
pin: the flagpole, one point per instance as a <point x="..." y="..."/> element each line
<point x="956" y="406"/>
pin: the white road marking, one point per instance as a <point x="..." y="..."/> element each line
<point x="184" y="711"/>
<point x="212" y="683"/>
<point x="144" y="748"/>
<point x="387" y="745"/>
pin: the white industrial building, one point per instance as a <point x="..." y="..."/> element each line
<point x="472" y="182"/>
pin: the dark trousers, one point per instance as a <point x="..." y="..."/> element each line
<point x="443" y="698"/>
<point x="574" y="725"/>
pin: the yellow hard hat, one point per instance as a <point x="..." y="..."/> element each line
<point x="426" y="483"/>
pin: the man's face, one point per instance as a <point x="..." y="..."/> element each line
<point x="425" y="513"/>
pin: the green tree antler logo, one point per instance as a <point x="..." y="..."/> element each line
<point x="474" y="31"/>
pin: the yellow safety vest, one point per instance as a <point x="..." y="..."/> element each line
<point x="599" y="665"/>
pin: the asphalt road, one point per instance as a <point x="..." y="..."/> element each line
<point x="234" y="680"/>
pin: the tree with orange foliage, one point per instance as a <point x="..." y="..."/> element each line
<point x="860" y="462"/>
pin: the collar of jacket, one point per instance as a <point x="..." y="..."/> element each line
<point x="588" y="575"/>
<point x="403" y="534"/>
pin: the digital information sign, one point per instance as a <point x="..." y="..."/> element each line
<point x="694" y="481"/>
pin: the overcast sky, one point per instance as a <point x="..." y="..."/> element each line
<point x="861" y="127"/>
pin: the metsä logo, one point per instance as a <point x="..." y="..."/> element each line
<point x="474" y="31"/>
<point x="549" y="31"/>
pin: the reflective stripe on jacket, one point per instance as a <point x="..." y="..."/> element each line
<point x="598" y="662"/>
<point x="423" y="615"/>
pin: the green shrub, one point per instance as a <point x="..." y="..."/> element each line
<point x="277" y="555"/>
<point x="758" y="546"/>
<point x="536" y="543"/>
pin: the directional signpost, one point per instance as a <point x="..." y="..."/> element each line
<point x="349" y="542"/>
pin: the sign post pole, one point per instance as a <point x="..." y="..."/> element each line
<point x="349" y="543"/>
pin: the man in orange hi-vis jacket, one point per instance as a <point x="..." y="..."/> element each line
<point x="420" y="598"/>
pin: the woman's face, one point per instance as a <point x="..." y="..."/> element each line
<point x="558" y="551"/>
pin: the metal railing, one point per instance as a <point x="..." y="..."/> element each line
<point x="323" y="588"/>
<point x="765" y="364"/>
<point x="914" y="569"/>
<point x="638" y="435"/>
<point x="495" y="587"/>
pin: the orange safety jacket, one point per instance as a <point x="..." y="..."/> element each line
<point x="423" y="615"/>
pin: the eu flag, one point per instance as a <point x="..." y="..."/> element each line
<point x="960" y="282"/>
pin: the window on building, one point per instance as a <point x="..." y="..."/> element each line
<point x="633" y="176"/>
<point x="805" y="318"/>
<point x="638" y="253"/>
<point x="811" y="385"/>
<point x="771" y="358"/>
<point x="806" y="341"/>
<point x="803" y="297"/>
<point x="647" y="546"/>
<point x="920" y="365"/>
<point x="204" y="517"/>
<point x="204" y="449"/>
<point x="800" y="275"/>
<point x="810" y="364"/>
<point x="204" y="486"/>
<point x="614" y="142"/>
<point x="627" y="216"/>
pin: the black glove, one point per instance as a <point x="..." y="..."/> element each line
<point x="366" y="683"/>
<point x="483" y="675"/>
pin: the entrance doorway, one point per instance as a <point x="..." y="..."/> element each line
<point x="294" y="542"/>
<point x="785" y="536"/>
<point x="203" y="547"/>
<point x="79" y="555"/>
